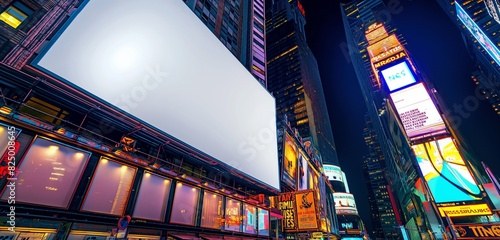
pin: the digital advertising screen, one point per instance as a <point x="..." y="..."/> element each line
<point x="290" y="160"/>
<point x="398" y="76"/>
<point x="478" y="33"/>
<point x="417" y="112"/>
<point x="384" y="48"/>
<point x="333" y="173"/>
<point x="303" y="171"/>
<point x="443" y="168"/>
<point x="345" y="203"/>
<point x="306" y="210"/>
<point x="178" y="79"/>
<point x="263" y="222"/>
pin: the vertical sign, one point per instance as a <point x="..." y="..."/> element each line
<point x="306" y="210"/>
<point x="286" y="207"/>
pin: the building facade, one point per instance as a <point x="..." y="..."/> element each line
<point x="76" y="165"/>
<point x="479" y="24"/>
<point x="293" y="77"/>
<point x="240" y="26"/>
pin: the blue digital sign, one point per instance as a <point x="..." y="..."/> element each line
<point x="476" y="31"/>
<point x="398" y="76"/>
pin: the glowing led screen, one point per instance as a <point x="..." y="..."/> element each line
<point x="290" y="159"/>
<point x="178" y="78"/>
<point x="398" y="76"/>
<point x="263" y="222"/>
<point x="345" y="203"/>
<point x="333" y="173"/>
<point x="417" y="112"/>
<point x="443" y="168"/>
<point x="476" y="31"/>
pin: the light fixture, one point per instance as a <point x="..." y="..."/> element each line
<point x="204" y="183"/>
<point x="183" y="175"/>
<point x="5" y="110"/>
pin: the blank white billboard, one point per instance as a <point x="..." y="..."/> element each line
<point x="417" y="112"/>
<point x="156" y="61"/>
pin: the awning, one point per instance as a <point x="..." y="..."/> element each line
<point x="276" y="215"/>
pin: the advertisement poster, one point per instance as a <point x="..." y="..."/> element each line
<point x="290" y="158"/>
<point x="286" y="204"/>
<point x="306" y="210"/>
<point x="398" y="76"/>
<point x="443" y="168"/>
<point x="417" y="112"/>
<point x="303" y="171"/>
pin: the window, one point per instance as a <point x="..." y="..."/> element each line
<point x="233" y="215"/>
<point x="212" y="210"/>
<point x="15" y="14"/>
<point x="184" y="207"/>
<point x="110" y="188"/>
<point x="49" y="174"/>
<point x="153" y="197"/>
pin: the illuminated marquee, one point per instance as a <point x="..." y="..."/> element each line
<point x="287" y="207"/>
<point x="476" y="231"/>
<point x="390" y="59"/>
<point x="465" y="210"/>
<point x="383" y="45"/>
<point x="387" y="53"/>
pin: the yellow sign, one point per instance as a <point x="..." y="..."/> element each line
<point x="478" y="231"/>
<point x="465" y="210"/>
<point x="390" y="59"/>
<point x="306" y="210"/>
<point x="383" y="45"/>
<point x="317" y="235"/>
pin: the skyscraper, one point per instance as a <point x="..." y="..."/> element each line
<point x="374" y="171"/>
<point x="479" y="24"/>
<point x="293" y="77"/>
<point x="239" y="25"/>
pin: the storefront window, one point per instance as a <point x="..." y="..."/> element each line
<point x="49" y="174"/>
<point x="185" y="204"/>
<point x="233" y="215"/>
<point x="212" y="210"/>
<point x="249" y="219"/>
<point x="110" y="188"/>
<point x="152" y="198"/>
<point x="263" y="222"/>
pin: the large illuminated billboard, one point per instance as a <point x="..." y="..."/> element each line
<point x="160" y="64"/>
<point x="290" y="160"/>
<point x="398" y="76"/>
<point x="417" y="112"/>
<point x="345" y="203"/>
<point x="443" y="168"/>
<point x="480" y="36"/>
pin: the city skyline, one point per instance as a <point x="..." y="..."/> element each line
<point x="344" y="99"/>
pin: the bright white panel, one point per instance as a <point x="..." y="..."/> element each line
<point x="345" y="203"/>
<point x="398" y="76"/>
<point x="417" y="111"/>
<point x="157" y="61"/>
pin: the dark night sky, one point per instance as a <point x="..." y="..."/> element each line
<point x="436" y="46"/>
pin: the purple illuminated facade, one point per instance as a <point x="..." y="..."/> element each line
<point x="239" y="25"/>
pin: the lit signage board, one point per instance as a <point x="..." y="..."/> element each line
<point x="290" y="159"/>
<point x="476" y="31"/>
<point x="493" y="9"/>
<point x="477" y="231"/>
<point x="333" y="173"/>
<point x="384" y="48"/>
<point x="286" y="204"/>
<point x="417" y="112"/>
<point x="465" y="210"/>
<point x="177" y="78"/>
<point x="345" y="203"/>
<point x="306" y="210"/>
<point x="398" y="76"/>
<point x="443" y="168"/>
<point x="303" y="171"/>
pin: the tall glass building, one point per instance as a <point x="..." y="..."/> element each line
<point x="239" y="25"/>
<point x="479" y="23"/>
<point x="293" y="77"/>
